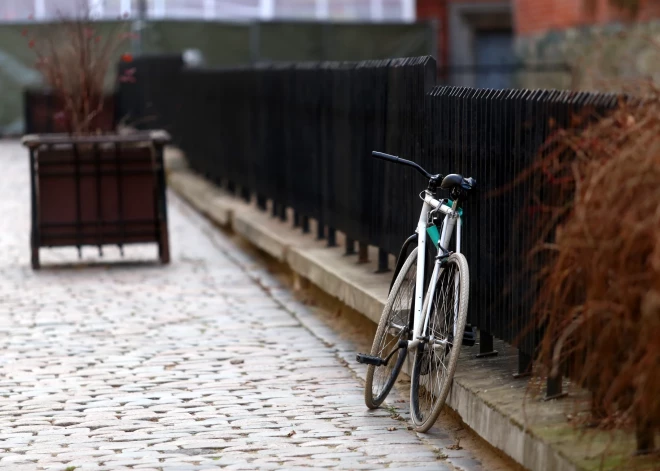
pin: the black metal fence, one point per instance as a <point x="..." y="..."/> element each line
<point x="302" y="135"/>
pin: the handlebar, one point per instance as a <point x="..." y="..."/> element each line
<point x="399" y="160"/>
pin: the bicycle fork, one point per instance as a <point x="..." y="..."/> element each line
<point x="419" y="329"/>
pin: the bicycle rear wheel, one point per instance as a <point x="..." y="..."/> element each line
<point x="395" y="325"/>
<point x="435" y="359"/>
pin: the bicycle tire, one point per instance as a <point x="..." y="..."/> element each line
<point x="427" y="386"/>
<point x="404" y="287"/>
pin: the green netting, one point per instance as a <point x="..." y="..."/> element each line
<point x="301" y="41"/>
<point x="289" y="41"/>
<point x="378" y="41"/>
<point x="16" y="72"/>
<point x="221" y="43"/>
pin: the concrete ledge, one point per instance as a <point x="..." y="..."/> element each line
<point x="203" y="196"/>
<point x="352" y="284"/>
<point x="489" y="400"/>
<point x="253" y="226"/>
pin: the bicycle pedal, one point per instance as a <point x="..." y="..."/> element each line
<point x="369" y="359"/>
<point x="469" y="336"/>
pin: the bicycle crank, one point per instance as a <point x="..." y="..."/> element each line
<point x="378" y="361"/>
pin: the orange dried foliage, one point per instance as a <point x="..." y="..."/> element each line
<point x="599" y="299"/>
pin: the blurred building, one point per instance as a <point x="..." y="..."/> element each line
<point x="601" y="41"/>
<point x="542" y="43"/>
<point x="346" y="10"/>
<point x="216" y="33"/>
<point x="475" y="40"/>
<point x="537" y="17"/>
<point x="478" y="43"/>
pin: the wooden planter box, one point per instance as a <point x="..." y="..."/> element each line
<point x="98" y="190"/>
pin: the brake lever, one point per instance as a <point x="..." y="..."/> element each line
<point x="469" y="183"/>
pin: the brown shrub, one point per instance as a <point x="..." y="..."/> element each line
<point x="599" y="300"/>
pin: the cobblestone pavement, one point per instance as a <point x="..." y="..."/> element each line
<point x="202" y="364"/>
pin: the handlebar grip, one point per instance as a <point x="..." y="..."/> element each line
<point x="399" y="160"/>
<point x="384" y="156"/>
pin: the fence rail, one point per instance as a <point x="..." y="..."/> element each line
<point x="301" y="135"/>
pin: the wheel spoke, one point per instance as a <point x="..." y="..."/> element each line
<point x="396" y="328"/>
<point x="431" y="370"/>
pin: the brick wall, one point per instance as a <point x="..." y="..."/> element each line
<point x="438" y="10"/>
<point x="539" y="16"/>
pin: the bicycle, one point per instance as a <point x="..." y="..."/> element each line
<point x="431" y="325"/>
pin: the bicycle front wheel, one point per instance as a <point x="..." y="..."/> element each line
<point x="436" y="357"/>
<point x="395" y="324"/>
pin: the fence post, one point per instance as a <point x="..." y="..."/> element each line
<point x="320" y="229"/>
<point x="332" y="237"/>
<point x="261" y="202"/>
<point x="382" y="261"/>
<point x="524" y="365"/>
<point x="363" y="252"/>
<point x="554" y="388"/>
<point x="350" y="247"/>
<point x="486" y="348"/>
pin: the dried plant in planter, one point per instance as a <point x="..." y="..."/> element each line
<point x="599" y="299"/>
<point x="74" y="59"/>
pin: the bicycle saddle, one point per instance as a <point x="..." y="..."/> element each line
<point x="457" y="181"/>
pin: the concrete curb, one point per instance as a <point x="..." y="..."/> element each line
<point x="484" y="393"/>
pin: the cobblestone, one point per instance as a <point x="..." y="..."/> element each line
<point x="113" y="364"/>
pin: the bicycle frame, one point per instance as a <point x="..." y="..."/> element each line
<point x="450" y="222"/>
<point x="423" y="326"/>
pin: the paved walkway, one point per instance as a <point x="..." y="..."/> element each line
<point x="202" y="364"/>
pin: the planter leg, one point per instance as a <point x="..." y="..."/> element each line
<point x="35" y="258"/>
<point x="164" y="248"/>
